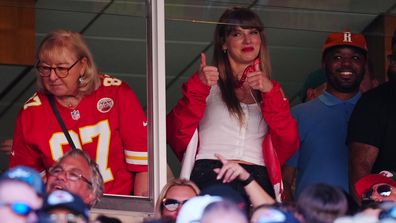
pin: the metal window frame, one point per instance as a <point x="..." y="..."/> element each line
<point x="156" y="99"/>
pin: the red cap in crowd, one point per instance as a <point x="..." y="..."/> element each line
<point x="345" y="39"/>
<point x="365" y="183"/>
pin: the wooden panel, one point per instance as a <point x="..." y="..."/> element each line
<point x="17" y="32"/>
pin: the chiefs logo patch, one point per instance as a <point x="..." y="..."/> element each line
<point x="105" y="104"/>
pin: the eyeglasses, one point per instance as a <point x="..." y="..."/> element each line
<point x="18" y="208"/>
<point x="62" y="72"/>
<point x="383" y="190"/>
<point x="73" y="174"/>
<point x="172" y="204"/>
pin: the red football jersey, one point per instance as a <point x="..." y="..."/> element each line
<point x="109" y="124"/>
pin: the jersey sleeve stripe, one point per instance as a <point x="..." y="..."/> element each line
<point x="137" y="158"/>
<point x="137" y="162"/>
<point x="134" y="153"/>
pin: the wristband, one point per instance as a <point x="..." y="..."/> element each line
<point x="247" y="181"/>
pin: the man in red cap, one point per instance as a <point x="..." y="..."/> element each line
<point x="323" y="122"/>
<point x="377" y="187"/>
<point x="372" y="127"/>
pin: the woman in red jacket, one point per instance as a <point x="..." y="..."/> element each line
<point x="234" y="109"/>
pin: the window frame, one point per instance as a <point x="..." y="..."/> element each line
<point x="156" y="109"/>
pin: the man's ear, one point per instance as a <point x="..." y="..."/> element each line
<point x="310" y="94"/>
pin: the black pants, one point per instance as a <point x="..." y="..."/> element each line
<point x="204" y="176"/>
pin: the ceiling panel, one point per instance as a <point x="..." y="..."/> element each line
<point x="119" y="27"/>
<point x="49" y="19"/>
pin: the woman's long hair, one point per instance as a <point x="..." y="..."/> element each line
<point x="232" y="18"/>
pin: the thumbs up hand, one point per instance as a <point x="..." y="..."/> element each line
<point x="209" y="75"/>
<point x="257" y="80"/>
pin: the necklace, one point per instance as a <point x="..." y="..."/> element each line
<point x="70" y="102"/>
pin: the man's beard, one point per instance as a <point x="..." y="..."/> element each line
<point x="339" y="86"/>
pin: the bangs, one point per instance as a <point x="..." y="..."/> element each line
<point x="56" y="47"/>
<point x="241" y="18"/>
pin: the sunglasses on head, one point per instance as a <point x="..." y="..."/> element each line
<point x="18" y="208"/>
<point x="383" y="190"/>
<point x="172" y="204"/>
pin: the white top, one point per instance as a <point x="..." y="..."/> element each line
<point x="220" y="132"/>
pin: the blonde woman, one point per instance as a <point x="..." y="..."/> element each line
<point x="172" y="197"/>
<point x="101" y="115"/>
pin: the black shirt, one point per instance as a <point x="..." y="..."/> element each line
<point x="373" y="122"/>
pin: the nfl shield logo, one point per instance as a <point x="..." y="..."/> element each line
<point x="75" y="115"/>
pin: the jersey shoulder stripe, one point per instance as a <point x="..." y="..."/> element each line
<point x="32" y="101"/>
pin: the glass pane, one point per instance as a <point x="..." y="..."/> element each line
<point x="295" y="32"/>
<point x="115" y="32"/>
